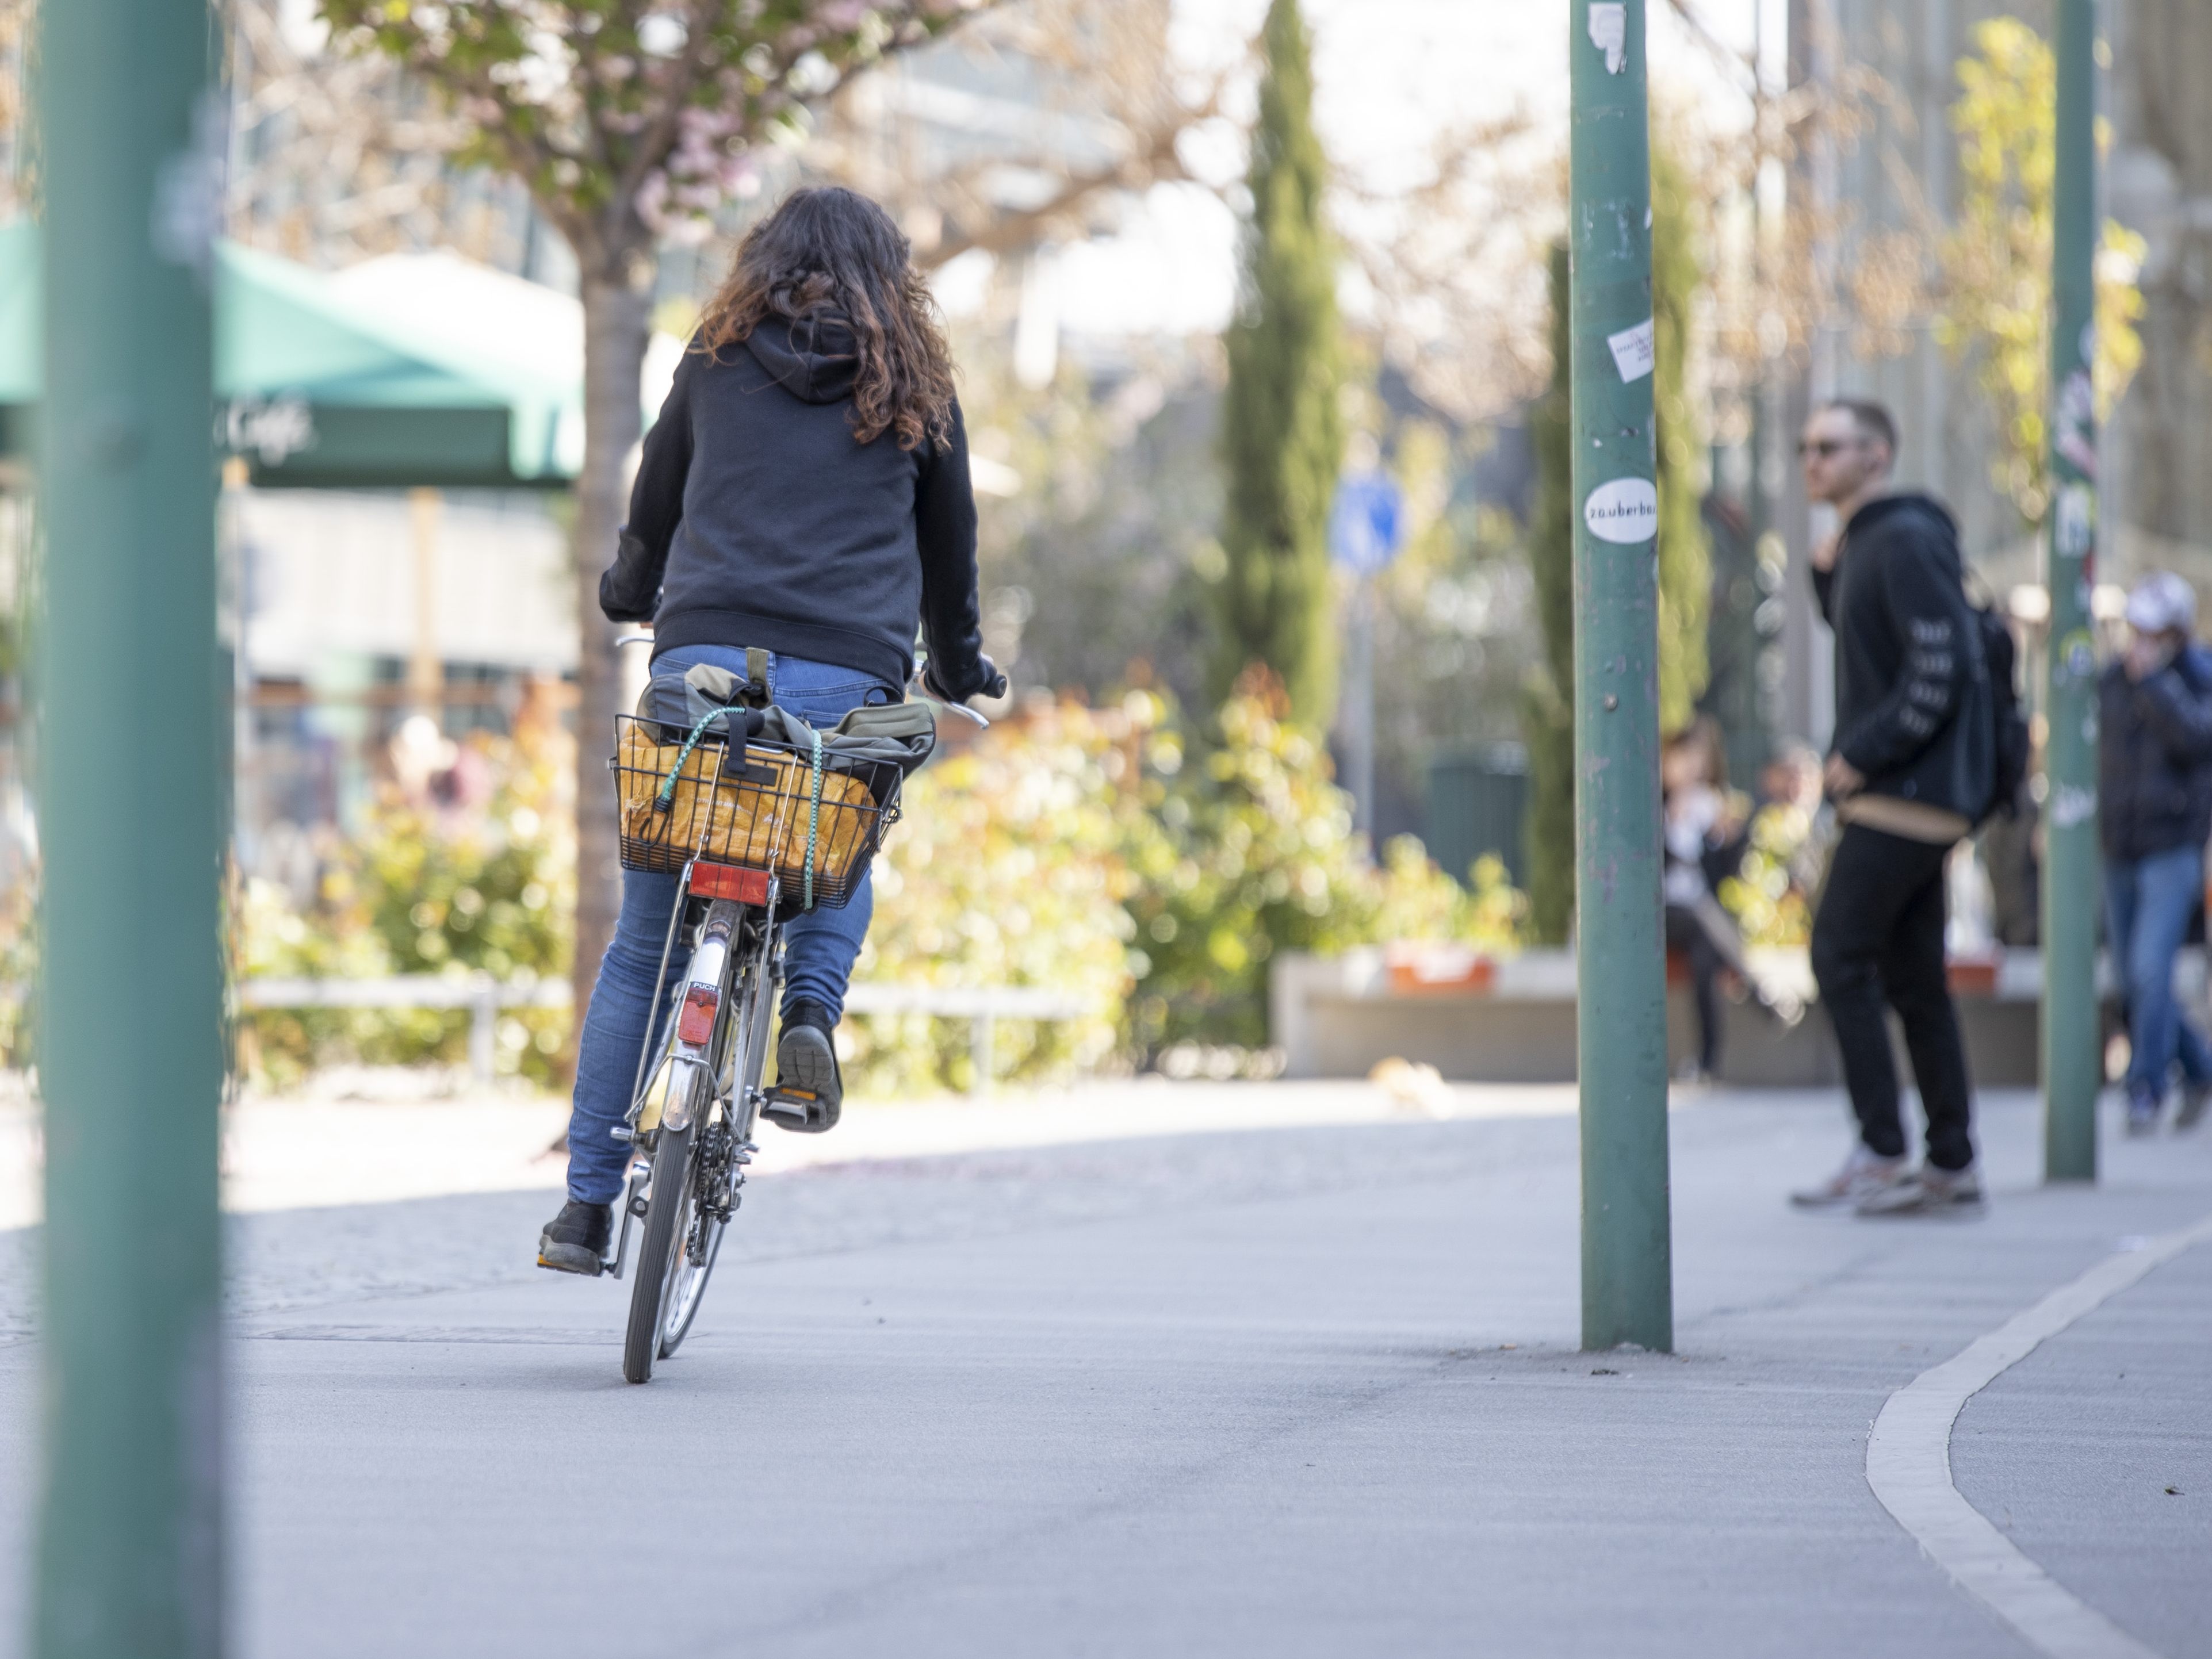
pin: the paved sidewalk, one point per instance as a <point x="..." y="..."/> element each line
<point x="1300" y="1390"/>
<point x="287" y="1153"/>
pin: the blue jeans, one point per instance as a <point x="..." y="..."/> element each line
<point x="819" y="945"/>
<point x="2148" y="902"/>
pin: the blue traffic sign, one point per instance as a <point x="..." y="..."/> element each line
<point x="1367" y="526"/>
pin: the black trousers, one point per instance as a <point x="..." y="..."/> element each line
<point x="1685" y="933"/>
<point x="1877" y="940"/>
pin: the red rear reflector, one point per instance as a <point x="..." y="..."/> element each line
<point x="730" y="881"/>
<point x="695" y="1024"/>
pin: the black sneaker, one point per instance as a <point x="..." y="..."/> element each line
<point x="809" y="1091"/>
<point x="2194" y="1096"/>
<point x="2143" y="1112"/>
<point x="576" y="1241"/>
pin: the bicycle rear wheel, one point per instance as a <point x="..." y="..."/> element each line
<point x="697" y="1242"/>
<point x="667" y="1218"/>
<point x="716" y="1164"/>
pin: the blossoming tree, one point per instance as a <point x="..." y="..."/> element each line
<point x="629" y="121"/>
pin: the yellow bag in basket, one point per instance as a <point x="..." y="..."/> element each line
<point x="762" y="824"/>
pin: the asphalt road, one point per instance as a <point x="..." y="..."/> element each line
<point x="1300" y="1392"/>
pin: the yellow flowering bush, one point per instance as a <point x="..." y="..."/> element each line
<point x="1416" y="900"/>
<point x="1764" y="895"/>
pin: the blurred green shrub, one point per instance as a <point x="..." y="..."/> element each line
<point x="1254" y="853"/>
<point x="1011" y="866"/>
<point x="462" y="887"/>
<point x="1097" y="852"/>
<point x="19" y="973"/>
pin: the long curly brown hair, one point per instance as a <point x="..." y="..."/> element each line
<point x="832" y="249"/>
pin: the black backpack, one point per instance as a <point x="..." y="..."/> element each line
<point x="2011" y="748"/>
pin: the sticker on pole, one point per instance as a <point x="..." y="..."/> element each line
<point x="1608" y="33"/>
<point x="1634" y="350"/>
<point x="1625" y="511"/>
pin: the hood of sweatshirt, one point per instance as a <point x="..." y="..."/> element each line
<point x="815" y="357"/>
<point x="1903" y="503"/>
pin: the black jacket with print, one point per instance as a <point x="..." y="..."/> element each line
<point x="1914" y="711"/>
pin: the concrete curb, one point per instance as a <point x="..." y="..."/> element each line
<point x="1909" y="1466"/>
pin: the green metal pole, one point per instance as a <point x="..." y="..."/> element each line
<point x="2073" y="1069"/>
<point x="1621" y="1010"/>
<point x="131" y="1061"/>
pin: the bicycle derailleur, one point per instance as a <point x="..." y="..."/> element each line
<point x="721" y="1173"/>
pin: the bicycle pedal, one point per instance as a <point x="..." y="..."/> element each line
<point x="599" y="1268"/>
<point x="801" y="1111"/>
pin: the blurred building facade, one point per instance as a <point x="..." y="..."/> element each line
<point x="2159" y="183"/>
<point x="1899" y="177"/>
<point x="358" y="612"/>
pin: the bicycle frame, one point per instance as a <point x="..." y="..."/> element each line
<point x="736" y="939"/>
<point x="732" y="831"/>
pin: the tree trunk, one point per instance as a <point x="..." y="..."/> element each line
<point x="1547" y="702"/>
<point x="616" y="319"/>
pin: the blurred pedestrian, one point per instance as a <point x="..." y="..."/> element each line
<point x="2153" y="813"/>
<point x="1707" y="833"/>
<point x="1910" y="770"/>
<point x="1703" y="831"/>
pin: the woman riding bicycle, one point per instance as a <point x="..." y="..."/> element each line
<point x="804" y="493"/>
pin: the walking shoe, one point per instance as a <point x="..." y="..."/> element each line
<point x="809" y="1090"/>
<point x="2143" y="1112"/>
<point x="575" y="1240"/>
<point x="1927" y="1191"/>
<point x="1864" y="1172"/>
<point x="2195" y="1097"/>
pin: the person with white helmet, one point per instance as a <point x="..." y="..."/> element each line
<point x="2153" y="813"/>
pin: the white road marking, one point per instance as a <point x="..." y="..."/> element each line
<point x="1909" y="1465"/>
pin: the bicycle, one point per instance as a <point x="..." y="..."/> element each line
<point x="732" y="825"/>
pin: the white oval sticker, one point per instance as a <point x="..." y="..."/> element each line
<point x="1625" y="511"/>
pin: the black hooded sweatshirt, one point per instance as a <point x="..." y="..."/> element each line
<point x="758" y="521"/>
<point x="2154" y="757"/>
<point x="1914" y="710"/>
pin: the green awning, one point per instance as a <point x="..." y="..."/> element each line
<point x="405" y="371"/>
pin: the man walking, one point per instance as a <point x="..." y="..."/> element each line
<point x="1910" y="771"/>
<point x="2153" y="812"/>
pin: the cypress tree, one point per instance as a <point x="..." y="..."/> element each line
<point x="1547" y="703"/>
<point x="1283" y="436"/>
<point x="1685" y="564"/>
<point x="1547" y="717"/>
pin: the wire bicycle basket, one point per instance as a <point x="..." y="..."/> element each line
<point x="812" y="818"/>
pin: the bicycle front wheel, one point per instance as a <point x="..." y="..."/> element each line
<point x="667" y="1219"/>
